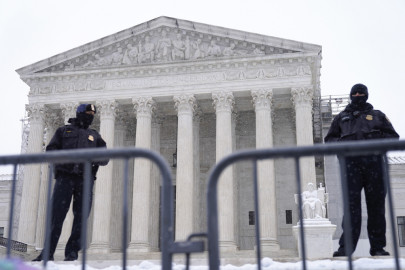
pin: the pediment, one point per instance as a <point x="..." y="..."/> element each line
<point x="166" y="40"/>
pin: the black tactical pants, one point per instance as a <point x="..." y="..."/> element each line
<point x="366" y="172"/>
<point x="66" y="187"/>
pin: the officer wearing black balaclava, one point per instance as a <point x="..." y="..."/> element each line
<point x="359" y="121"/>
<point x="84" y="115"/>
<point x="69" y="178"/>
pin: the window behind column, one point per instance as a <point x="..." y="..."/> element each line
<point x="401" y="230"/>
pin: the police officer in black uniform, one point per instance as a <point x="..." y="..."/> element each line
<point x="359" y="121"/>
<point x="69" y="178"/>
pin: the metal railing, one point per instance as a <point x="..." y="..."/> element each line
<point x="168" y="246"/>
<point x="377" y="147"/>
<point x="86" y="156"/>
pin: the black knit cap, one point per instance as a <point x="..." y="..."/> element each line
<point x="359" y="88"/>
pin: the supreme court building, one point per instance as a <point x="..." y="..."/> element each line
<point x="188" y="90"/>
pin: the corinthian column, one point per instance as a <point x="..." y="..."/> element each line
<point x="155" y="186"/>
<point x="100" y="242"/>
<point x="223" y="103"/>
<point x="302" y="98"/>
<point x="185" y="105"/>
<point x="262" y="100"/>
<point x="117" y="189"/>
<point x="51" y="122"/>
<point x="140" y="237"/>
<point x="198" y="216"/>
<point x="32" y="174"/>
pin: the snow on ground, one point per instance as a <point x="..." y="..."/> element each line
<point x="267" y="264"/>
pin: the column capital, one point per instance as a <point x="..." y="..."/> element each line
<point x="262" y="99"/>
<point x="107" y="108"/>
<point x="52" y="119"/>
<point x="185" y="104"/>
<point x="302" y="95"/>
<point x="144" y="106"/>
<point x="68" y="110"/>
<point x="223" y="101"/>
<point x="36" y="112"/>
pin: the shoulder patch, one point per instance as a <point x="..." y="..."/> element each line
<point x="369" y="117"/>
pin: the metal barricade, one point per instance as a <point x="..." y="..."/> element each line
<point x="87" y="156"/>
<point x="168" y="246"/>
<point x="376" y="147"/>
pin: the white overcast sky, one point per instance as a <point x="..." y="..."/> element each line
<point x="362" y="41"/>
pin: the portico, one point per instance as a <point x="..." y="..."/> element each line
<point x="166" y="86"/>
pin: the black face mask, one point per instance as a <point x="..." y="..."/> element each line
<point x="85" y="119"/>
<point x="359" y="100"/>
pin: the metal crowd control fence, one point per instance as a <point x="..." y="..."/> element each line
<point x="87" y="156"/>
<point x="168" y="246"/>
<point x="376" y="147"/>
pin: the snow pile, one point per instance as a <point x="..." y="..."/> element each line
<point x="267" y="264"/>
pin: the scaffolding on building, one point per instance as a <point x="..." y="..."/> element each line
<point x="332" y="106"/>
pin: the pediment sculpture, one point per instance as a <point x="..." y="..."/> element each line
<point x="313" y="202"/>
<point x="166" y="44"/>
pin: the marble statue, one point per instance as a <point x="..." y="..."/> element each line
<point x="146" y="53"/>
<point x="214" y="49"/>
<point x="198" y="52"/>
<point x="130" y="55"/>
<point x="313" y="202"/>
<point x="178" y="48"/>
<point x="162" y="47"/>
<point x="116" y="57"/>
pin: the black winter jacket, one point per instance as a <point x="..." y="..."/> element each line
<point x="75" y="136"/>
<point x="360" y="123"/>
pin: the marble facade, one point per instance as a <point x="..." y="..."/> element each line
<point x="182" y="87"/>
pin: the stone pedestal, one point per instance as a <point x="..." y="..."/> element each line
<point x="318" y="238"/>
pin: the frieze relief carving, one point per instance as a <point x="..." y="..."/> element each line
<point x="166" y="44"/>
<point x="276" y="72"/>
<point x="173" y="80"/>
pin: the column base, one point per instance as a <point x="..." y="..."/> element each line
<point x="227" y="246"/>
<point x="138" y="247"/>
<point x="269" y="244"/>
<point x="99" y="248"/>
<point x="32" y="248"/>
<point x="318" y="238"/>
<point x="61" y="246"/>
